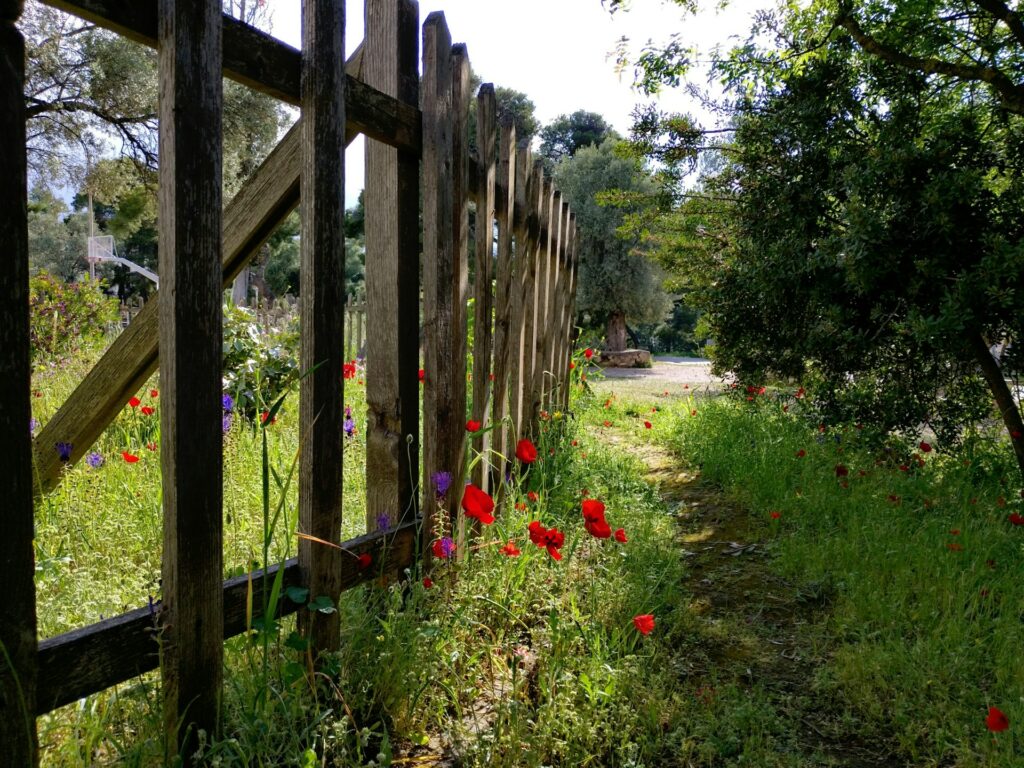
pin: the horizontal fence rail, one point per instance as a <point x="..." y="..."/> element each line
<point x="525" y="261"/>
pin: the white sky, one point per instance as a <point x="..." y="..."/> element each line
<point x="558" y="52"/>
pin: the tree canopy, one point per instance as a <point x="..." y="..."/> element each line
<point x="567" y="134"/>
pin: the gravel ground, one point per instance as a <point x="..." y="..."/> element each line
<point x="675" y="375"/>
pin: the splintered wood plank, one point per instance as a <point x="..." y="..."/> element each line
<point x="487" y="156"/>
<point x="192" y="610"/>
<point x="321" y="310"/>
<point x="504" y="203"/>
<point x="442" y="410"/>
<point x="18" y="743"/>
<point x="392" y="275"/>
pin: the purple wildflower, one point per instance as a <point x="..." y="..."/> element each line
<point x="447" y="546"/>
<point x="225" y="422"/>
<point x="383" y="521"/>
<point x="348" y="411"/>
<point x="33" y="425"/>
<point x="94" y="460"/>
<point x="349" y="426"/>
<point x="227" y="402"/>
<point x="63" y="451"/>
<point x="442" y="481"/>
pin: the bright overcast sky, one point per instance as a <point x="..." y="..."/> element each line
<point x="558" y="52"/>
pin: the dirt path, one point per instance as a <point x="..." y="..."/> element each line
<point x="751" y="628"/>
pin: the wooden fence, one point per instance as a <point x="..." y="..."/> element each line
<point x="522" y="227"/>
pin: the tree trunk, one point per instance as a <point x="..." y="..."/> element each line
<point x="615" y="336"/>
<point x="1001" y="393"/>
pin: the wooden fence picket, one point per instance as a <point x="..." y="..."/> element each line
<point x="321" y="306"/>
<point x="391" y="201"/>
<point x="441" y="427"/>
<point x="192" y="613"/>
<point x="18" y="742"/>
<point x="505" y="193"/>
<point x="487" y="144"/>
<point x="524" y="268"/>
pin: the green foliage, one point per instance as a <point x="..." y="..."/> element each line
<point x="913" y="564"/>
<point x="615" y="275"/>
<point x="259" y="365"/>
<point x="521" y="108"/>
<point x="567" y="134"/>
<point x="67" y="316"/>
<point x="56" y="239"/>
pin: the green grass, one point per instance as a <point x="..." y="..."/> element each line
<point x="918" y="566"/>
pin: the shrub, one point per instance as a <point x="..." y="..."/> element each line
<point x="259" y="363"/>
<point x="66" y="315"/>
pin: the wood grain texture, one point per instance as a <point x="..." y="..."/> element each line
<point x="321" y="309"/>
<point x="549" y="378"/>
<point x="441" y="417"/>
<point x="546" y="273"/>
<point x="487" y="157"/>
<point x="504" y="203"/>
<point x="454" y="435"/>
<point x="18" y="742"/>
<point x="392" y="275"/>
<point x="561" y="351"/>
<point x="265" y="64"/>
<point x="534" y="302"/>
<point x="91" y="659"/>
<point x="524" y="271"/>
<point x="190" y="110"/>
<point x="263" y="202"/>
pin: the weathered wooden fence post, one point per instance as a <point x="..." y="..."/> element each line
<point x="505" y="191"/>
<point x="444" y="378"/>
<point x="321" y="309"/>
<point x="487" y="155"/>
<point x="392" y="275"/>
<point x="574" y="263"/>
<point x="556" y="304"/>
<point x="192" y="614"/>
<point x="524" y="267"/>
<point x="17" y="569"/>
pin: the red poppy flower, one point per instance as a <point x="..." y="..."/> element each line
<point x="472" y="426"/>
<point x="151" y="446"/>
<point x="1016" y="518"/>
<point x="154" y="393"/>
<point x="955" y="547"/>
<point x="800" y="392"/>
<point x="532" y="496"/>
<point x="421" y="375"/>
<point x="785" y="409"/>
<point x="521" y="506"/>
<point x="776" y="515"/>
<point x="607" y="423"/>
<point x="134" y="402"/>
<point x="841" y="470"/>
<point x="575" y="443"/>
<point x="526" y="451"/>
<point x="693" y="413"/>
<point x="572" y="366"/>
<point x="550" y="538"/>
<point x="131" y="458"/>
<point x="644" y="623"/>
<point x="588" y="353"/>
<point x="349" y="370"/>
<point x="510" y="550"/>
<point x="801" y="453"/>
<point x="925" y="447"/>
<point x="537" y="532"/>
<point x="427" y="582"/>
<point x="147" y="411"/>
<point x="620" y="535"/>
<point x="363" y="561"/>
<point x="593" y="519"/>
<point x="996" y="721"/>
<point x="478" y="504"/>
<point x="647" y="425"/>
<point x="266" y="415"/>
<point x="954" y="531"/>
<point x="904" y="468"/>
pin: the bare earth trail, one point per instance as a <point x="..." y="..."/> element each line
<point x="749" y="628"/>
